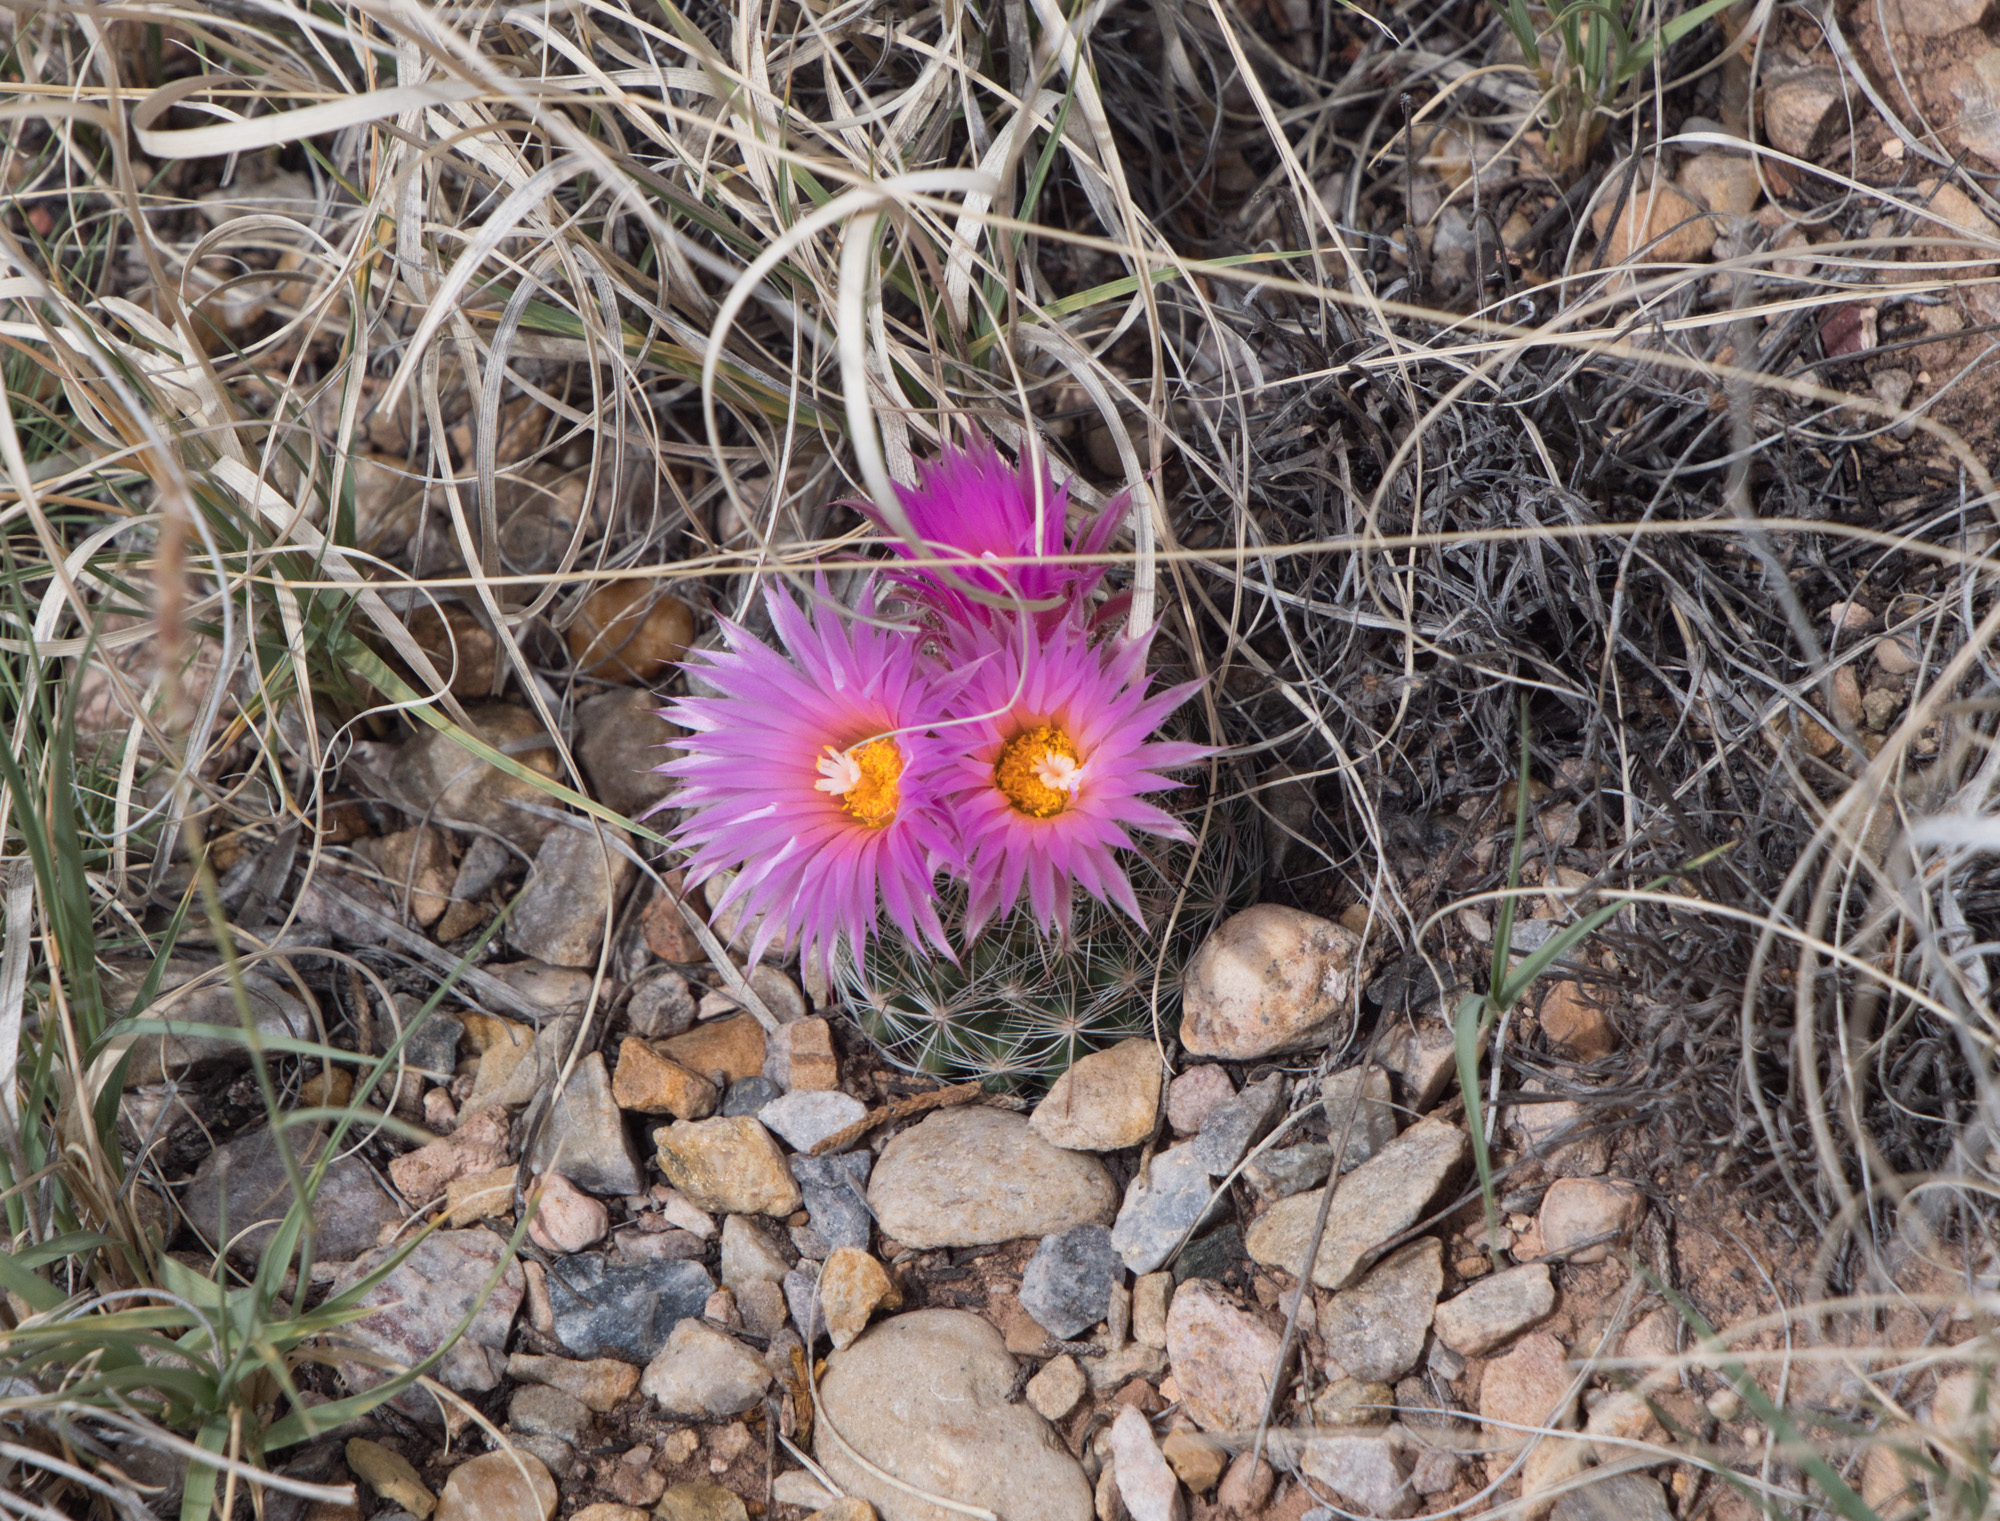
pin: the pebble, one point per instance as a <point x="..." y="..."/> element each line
<point x="1621" y="1497"/>
<point x="1350" y="1402"/>
<point x="1496" y="1309"/>
<point x="835" y="1189"/>
<point x="621" y="738"/>
<point x="799" y="1056"/>
<point x="1795" y="104"/>
<point x="390" y="1475"/>
<point x="604" y="1510"/>
<point x="204" y="1027"/>
<point x="665" y="929"/>
<point x="561" y="990"/>
<point x="540" y="1410"/>
<point x="848" y="1509"/>
<point x="1934" y="18"/>
<point x="750" y="1253"/>
<point x="436" y="773"/>
<point x="483" y="1196"/>
<point x="572" y="888"/>
<point x="852" y="1286"/>
<point x="242" y="1185"/>
<point x="1575" y="1025"/>
<point x="605" y="1308"/>
<point x="1656" y="225"/>
<point x="801" y="1286"/>
<point x="975" y="1176"/>
<point x="1111" y="1371"/>
<point x="1237" y="1124"/>
<point x="703" y="1374"/>
<point x="566" y="1219"/>
<point x="925" y="1396"/>
<point x="729" y="1166"/>
<point x="1269" y="979"/>
<point x="1106" y="1100"/>
<point x="1146" y="1483"/>
<point x="1370" y="1473"/>
<point x="1151" y="1295"/>
<point x="797" y="1487"/>
<point x="661" y="1005"/>
<point x="1575" y="1210"/>
<point x="601" y="1383"/>
<point x="805" y="1117"/>
<point x="1198" y="1458"/>
<point x="1375" y="1330"/>
<point x="1422" y="1054"/>
<point x="1067" y="1284"/>
<point x="557" y="1455"/>
<point x="1161" y="1206"/>
<point x="499" y="1486"/>
<point x="585" y="1137"/>
<point x="417" y="1307"/>
<point x="1246" y="1487"/>
<point x="700" y="1502"/>
<point x="1055" y="1390"/>
<point x="1374" y="1203"/>
<point x="646" y="1082"/>
<point x="1366" y="1092"/>
<point x="1558" y="1132"/>
<point x="1193" y="1095"/>
<point x="733" y="1046"/>
<point x="1222" y="1356"/>
<point x="1288" y="1170"/>
<point x="629" y="631"/>
<point x="1526" y="1387"/>
<point x="509" y="1075"/>
<point x="748" y="1095"/>
<point x="1723" y="182"/>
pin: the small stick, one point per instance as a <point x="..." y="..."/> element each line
<point x="902" y="1109"/>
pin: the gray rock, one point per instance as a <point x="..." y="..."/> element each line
<point x="1162" y="1205"/>
<point x="810" y="1243"/>
<point x="926" y="1397"/>
<point x="1369" y="1472"/>
<point x="556" y="1455"/>
<point x="1379" y="1199"/>
<point x="247" y="1176"/>
<point x="1422" y="1055"/>
<point x="1359" y="1104"/>
<point x="536" y="1072"/>
<point x="419" y="1304"/>
<point x="976" y="1176"/>
<point x="1067" y="1284"/>
<point x="1150" y="1489"/>
<point x="1239" y="1123"/>
<point x="802" y="1300"/>
<point x="432" y="1046"/>
<point x="661" y="1006"/>
<point x="573" y="887"/>
<point x="434" y="772"/>
<point x="1496" y="1309"/>
<point x="1622" y="1497"/>
<point x="836" y="1195"/>
<point x="606" y="1308"/>
<point x="1289" y="1170"/>
<point x="1375" y="1330"/>
<point x="538" y="1410"/>
<point x="584" y="1137"/>
<point x="748" y="1095"/>
<point x="808" y="1116"/>
<point x="703" y="1374"/>
<point x="559" y="989"/>
<point x="621" y="738"/>
<point x="1270" y="979"/>
<point x="203" y="1025"/>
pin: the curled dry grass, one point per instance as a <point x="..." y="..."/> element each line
<point x="680" y="278"/>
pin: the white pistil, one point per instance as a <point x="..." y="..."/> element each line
<point x="840" y="773"/>
<point x="1059" y="773"/>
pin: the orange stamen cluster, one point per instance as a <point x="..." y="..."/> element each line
<point x="1038" y="771"/>
<point x="866" y="781"/>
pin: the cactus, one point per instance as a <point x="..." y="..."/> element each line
<point x="1019" y="1008"/>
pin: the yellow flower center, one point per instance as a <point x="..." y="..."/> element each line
<point x="864" y="779"/>
<point x="1039" y="771"/>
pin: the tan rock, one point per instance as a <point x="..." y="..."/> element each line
<point x="1197" y="1457"/>
<point x="728" y="1165"/>
<point x="649" y="1083"/>
<point x="1933" y="18"/>
<point x="1528" y="1387"/>
<point x="734" y="1047"/>
<point x="1795" y="103"/>
<point x="1106" y="1100"/>
<point x="852" y="1286"/>
<point x="973" y="1176"/>
<point x="1657" y="225"/>
<point x="606" y="1510"/>
<point x="1222" y="1356"/>
<point x="1575" y="1023"/>
<point x="629" y="631"/>
<point x="1055" y="1390"/>
<point x="847" y="1509"/>
<point x="480" y="1197"/>
<point x="566" y="1219"/>
<point x="1151" y="1293"/>
<point x="1269" y="979"/>
<point x="1723" y="182"/>
<point x="663" y="927"/>
<point x="799" y="1057"/>
<point x="601" y="1383"/>
<point x="1579" y="1210"/>
<point x="390" y="1475"/>
<point x="435" y="771"/>
<point x="509" y="1485"/>
<point x="416" y="871"/>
